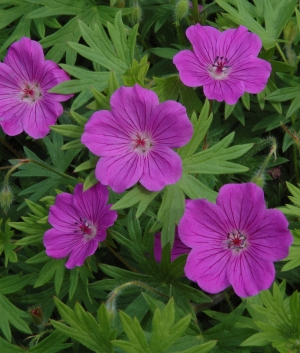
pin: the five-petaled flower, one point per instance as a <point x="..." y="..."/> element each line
<point x="135" y="138"/>
<point x="79" y="223"/>
<point x="25" y="79"/>
<point x="225" y="64"/>
<point x="235" y="241"/>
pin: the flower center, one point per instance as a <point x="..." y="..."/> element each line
<point x="30" y="92"/>
<point x="236" y="240"/>
<point x="220" y="68"/>
<point x="87" y="229"/>
<point x="141" y="143"/>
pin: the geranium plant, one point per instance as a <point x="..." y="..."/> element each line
<point x="150" y="197"/>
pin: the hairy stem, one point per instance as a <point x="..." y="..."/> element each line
<point x="117" y="291"/>
<point x="281" y="53"/>
<point x="195" y="11"/>
<point x="16" y="153"/>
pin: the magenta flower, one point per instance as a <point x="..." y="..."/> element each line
<point x="178" y="247"/>
<point x="135" y="138"/>
<point x="225" y="64"/>
<point x="234" y="242"/>
<point x="25" y="79"/>
<point x="79" y="223"/>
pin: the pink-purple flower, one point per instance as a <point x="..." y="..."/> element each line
<point x="224" y="63"/>
<point x="79" y="223"/>
<point x="178" y="247"/>
<point x="135" y="138"/>
<point x="25" y="79"/>
<point x="235" y="241"/>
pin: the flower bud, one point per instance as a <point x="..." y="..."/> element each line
<point x="181" y="10"/>
<point x="258" y="179"/>
<point x="37" y="315"/>
<point x="136" y="15"/>
<point x="6" y="198"/>
<point x="290" y="31"/>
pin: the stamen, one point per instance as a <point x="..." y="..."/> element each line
<point x="141" y="143"/>
<point x="236" y="240"/>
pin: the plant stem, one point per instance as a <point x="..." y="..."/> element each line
<point x="50" y="169"/>
<point x="281" y="53"/>
<point x="10" y="148"/>
<point x="295" y="155"/>
<point x="195" y="11"/>
<point x="117" y="291"/>
<point x="267" y="160"/>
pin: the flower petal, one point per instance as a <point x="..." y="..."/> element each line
<point x="162" y="166"/>
<point x="59" y="244"/>
<point x="92" y="204"/>
<point x="228" y="90"/>
<point x="63" y="215"/>
<point x="192" y="72"/>
<point x="203" y="223"/>
<point x="270" y="239"/>
<point x="9" y="81"/>
<point x="169" y="125"/>
<point x="253" y="72"/>
<point x="11" y="115"/>
<point x="249" y="275"/>
<point x="243" y="204"/>
<point x="203" y="39"/>
<point x="133" y="106"/>
<point x="120" y="172"/>
<point x="238" y="44"/>
<point x="104" y="136"/>
<point x="39" y="116"/>
<point x="26" y="58"/>
<point x="208" y="267"/>
<point x="81" y="252"/>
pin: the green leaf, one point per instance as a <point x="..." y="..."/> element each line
<point x="137" y="195"/>
<point x="135" y="334"/>
<point x="293" y="257"/>
<point x="214" y="160"/>
<point x="169" y="213"/>
<point x="14" y="283"/>
<point x="166" y="53"/>
<point x="164" y="331"/>
<point x="48" y="271"/>
<point x="10" y="348"/>
<point x="171" y="88"/>
<point x="90" y="164"/>
<point x="194" y="189"/>
<point x="284" y="94"/>
<point x="241" y="16"/>
<point x="52" y="344"/>
<point x="202" y="348"/>
<point x="276" y="16"/>
<point x="68" y="130"/>
<point x="11" y="315"/>
<point x="200" y="130"/>
<point x="84" y="328"/>
<point x="90" y="181"/>
<point x="6" y="245"/>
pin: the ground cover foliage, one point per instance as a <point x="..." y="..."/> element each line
<point x="123" y="298"/>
